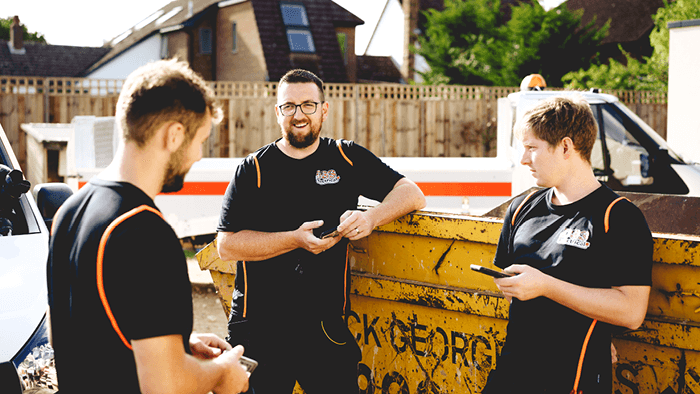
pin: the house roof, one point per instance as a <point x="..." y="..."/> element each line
<point x="43" y="60"/>
<point x="630" y="19"/>
<point x="173" y="16"/>
<point x="377" y="69"/>
<point x="324" y="16"/>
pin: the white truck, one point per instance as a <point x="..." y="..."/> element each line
<point x="628" y="154"/>
<point x="26" y="359"/>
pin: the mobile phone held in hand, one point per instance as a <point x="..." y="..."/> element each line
<point x="330" y="233"/>
<point x="488" y="271"/>
<point x="248" y="363"/>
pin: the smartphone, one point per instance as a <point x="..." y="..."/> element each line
<point x="330" y="233"/>
<point x="248" y="363"/>
<point x="488" y="271"/>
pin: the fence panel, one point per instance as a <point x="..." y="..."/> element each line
<point x="388" y="119"/>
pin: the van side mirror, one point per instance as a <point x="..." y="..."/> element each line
<point x="50" y="197"/>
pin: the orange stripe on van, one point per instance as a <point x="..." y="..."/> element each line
<point x="487" y="189"/>
<point x="482" y="189"/>
<point x="100" y="263"/>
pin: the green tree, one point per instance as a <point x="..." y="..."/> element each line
<point x="649" y="74"/>
<point x="550" y="43"/>
<point x="468" y="43"/>
<point x="6" y="25"/>
<point x="456" y="41"/>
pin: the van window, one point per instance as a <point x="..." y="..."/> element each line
<point x="628" y="160"/>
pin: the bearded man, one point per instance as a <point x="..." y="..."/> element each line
<point x="118" y="282"/>
<point x="292" y="284"/>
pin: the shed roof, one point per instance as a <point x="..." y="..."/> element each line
<point x="43" y="60"/>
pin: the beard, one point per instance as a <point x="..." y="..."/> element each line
<point x="174" y="178"/>
<point x="302" y="141"/>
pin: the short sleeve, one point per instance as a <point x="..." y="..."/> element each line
<point x="145" y="279"/>
<point x="236" y="214"/>
<point x="630" y="245"/>
<point x="377" y="179"/>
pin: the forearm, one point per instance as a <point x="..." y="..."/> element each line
<point x="163" y="367"/>
<point x="623" y="306"/>
<point x="197" y="376"/>
<point x="248" y="245"/>
<point x="404" y="198"/>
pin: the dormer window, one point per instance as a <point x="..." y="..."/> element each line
<point x="296" y="23"/>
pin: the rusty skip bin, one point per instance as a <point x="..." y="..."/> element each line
<point x="426" y="323"/>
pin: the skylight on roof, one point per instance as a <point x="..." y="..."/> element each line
<point x="148" y="20"/>
<point x="121" y="37"/>
<point x="169" y="15"/>
<point x="294" y="15"/>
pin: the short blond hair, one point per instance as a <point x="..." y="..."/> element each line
<point x="554" y="119"/>
<point x="164" y="91"/>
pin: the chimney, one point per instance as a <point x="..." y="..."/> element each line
<point x="16" y="34"/>
<point x="410" y="26"/>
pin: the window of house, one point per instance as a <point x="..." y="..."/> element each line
<point x="205" y="41"/>
<point x="164" y="47"/>
<point x="297" y="24"/>
<point x="234" y="37"/>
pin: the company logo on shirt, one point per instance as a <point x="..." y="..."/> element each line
<point x="327" y="177"/>
<point x="574" y="237"/>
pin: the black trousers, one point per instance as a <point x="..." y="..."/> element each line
<point x="320" y="353"/>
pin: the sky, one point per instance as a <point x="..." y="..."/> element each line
<point x="92" y="22"/>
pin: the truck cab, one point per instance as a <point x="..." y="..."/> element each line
<point x="26" y="358"/>
<point x="628" y="155"/>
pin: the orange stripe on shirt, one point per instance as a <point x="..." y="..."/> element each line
<point x="100" y="264"/>
<point x="607" y="212"/>
<point x="245" y="290"/>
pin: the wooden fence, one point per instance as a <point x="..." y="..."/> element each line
<point x="388" y="119"/>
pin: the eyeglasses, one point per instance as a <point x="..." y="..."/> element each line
<point x="307" y="108"/>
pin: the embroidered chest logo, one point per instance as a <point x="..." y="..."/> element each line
<point x="576" y="238"/>
<point x="327" y="177"/>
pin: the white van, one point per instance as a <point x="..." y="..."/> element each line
<point x="26" y="358"/>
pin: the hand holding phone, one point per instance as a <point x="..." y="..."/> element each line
<point x="330" y="233"/>
<point x="248" y="363"/>
<point x="488" y="271"/>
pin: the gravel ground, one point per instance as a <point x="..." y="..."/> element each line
<point x="209" y="315"/>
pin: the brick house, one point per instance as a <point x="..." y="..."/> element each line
<point x="242" y="40"/>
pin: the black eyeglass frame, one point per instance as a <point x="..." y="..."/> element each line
<point x="299" y="107"/>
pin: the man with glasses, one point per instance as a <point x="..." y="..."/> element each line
<point x="292" y="283"/>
